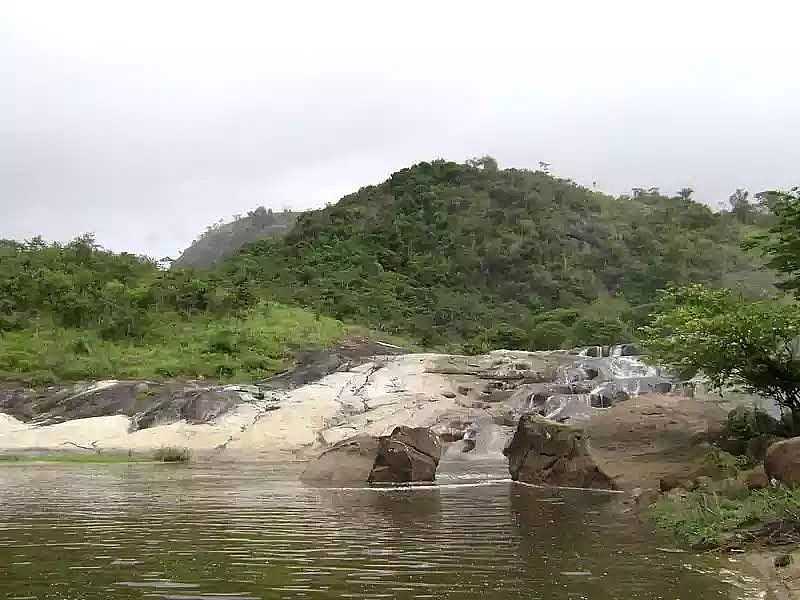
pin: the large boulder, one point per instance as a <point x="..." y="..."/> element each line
<point x="349" y="460"/>
<point x="547" y="453"/>
<point x="408" y="454"/>
<point x="782" y="461"/>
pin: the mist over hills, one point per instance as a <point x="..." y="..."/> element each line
<point x="222" y="240"/>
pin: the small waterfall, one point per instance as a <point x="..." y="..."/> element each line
<point x="563" y="407"/>
<point x="627" y="367"/>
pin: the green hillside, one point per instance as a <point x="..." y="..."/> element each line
<point x="460" y="256"/>
<point x="75" y="311"/>
<point x="474" y="256"/>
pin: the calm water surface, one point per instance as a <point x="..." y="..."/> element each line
<point x="234" y="532"/>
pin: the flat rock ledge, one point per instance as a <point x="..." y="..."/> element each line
<point x="543" y="452"/>
<point x="408" y="454"/>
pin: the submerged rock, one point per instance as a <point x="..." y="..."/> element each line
<point x="544" y="452"/>
<point x="407" y="454"/>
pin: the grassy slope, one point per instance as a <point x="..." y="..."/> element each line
<point x="255" y="345"/>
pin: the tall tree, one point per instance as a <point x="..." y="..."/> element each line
<point x="740" y="205"/>
<point x="781" y="244"/>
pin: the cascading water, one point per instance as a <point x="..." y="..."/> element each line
<point x="614" y="373"/>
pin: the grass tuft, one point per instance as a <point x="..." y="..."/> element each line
<point x="172" y="454"/>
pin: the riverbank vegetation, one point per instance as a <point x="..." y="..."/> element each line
<point x="733" y="340"/>
<point x="702" y="519"/>
<point x="180" y="455"/>
<point x="738" y="342"/>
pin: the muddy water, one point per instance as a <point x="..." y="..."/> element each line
<point x="251" y="531"/>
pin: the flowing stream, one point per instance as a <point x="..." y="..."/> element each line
<point x="245" y="531"/>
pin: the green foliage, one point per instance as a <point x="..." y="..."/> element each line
<point x="729" y="339"/>
<point x="588" y="331"/>
<point x="549" y="334"/>
<point x="781" y="245"/>
<point x="79" y="285"/>
<point x="745" y="423"/>
<point x="724" y="464"/>
<point x="703" y="519"/>
<point x="76" y="311"/>
<point x="249" y="345"/>
<point x="469" y="254"/>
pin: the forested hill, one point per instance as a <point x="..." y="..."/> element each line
<point x="225" y="239"/>
<point x="472" y="255"/>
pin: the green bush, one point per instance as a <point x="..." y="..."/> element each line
<point x="172" y="454"/>
<point x="549" y="335"/>
<point x="747" y="422"/>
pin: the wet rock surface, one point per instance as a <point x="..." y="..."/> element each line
<point x="148" y="403"/>
<point x="546" y="453"/>
<point x="474" y="402"/>
<point x="313" y="366"/>
<point x="408" y="454"/>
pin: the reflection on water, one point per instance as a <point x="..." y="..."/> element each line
<point x="238" y="531"/>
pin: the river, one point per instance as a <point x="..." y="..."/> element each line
<point x="245" y="531"/>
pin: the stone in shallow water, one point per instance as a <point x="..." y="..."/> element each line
<point x="408" y="454"/>
<point x="547" y="453"/>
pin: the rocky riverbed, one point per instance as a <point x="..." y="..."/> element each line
<point x="472" y="402"/>
<point x="595" y="418"/>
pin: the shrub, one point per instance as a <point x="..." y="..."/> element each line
<point x="172" y="454"/>
<point x="549" y="335"/>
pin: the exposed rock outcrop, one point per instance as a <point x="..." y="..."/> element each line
<point x="407" y="454"/>
<point x="148" y="403"/>
<point x="782" y="461"/>
<point x="547" y="453"/>
<point x="358" y="387"/>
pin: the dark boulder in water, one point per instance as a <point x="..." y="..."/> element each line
<point x="408" y="454"/>
<point x="546" y="453"/>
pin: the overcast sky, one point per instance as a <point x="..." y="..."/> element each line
<point x="146" y="121"/>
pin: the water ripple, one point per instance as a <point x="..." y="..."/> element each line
<point x="253" y="532"/>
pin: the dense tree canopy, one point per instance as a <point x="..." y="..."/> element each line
<point x="476" y="255"/>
